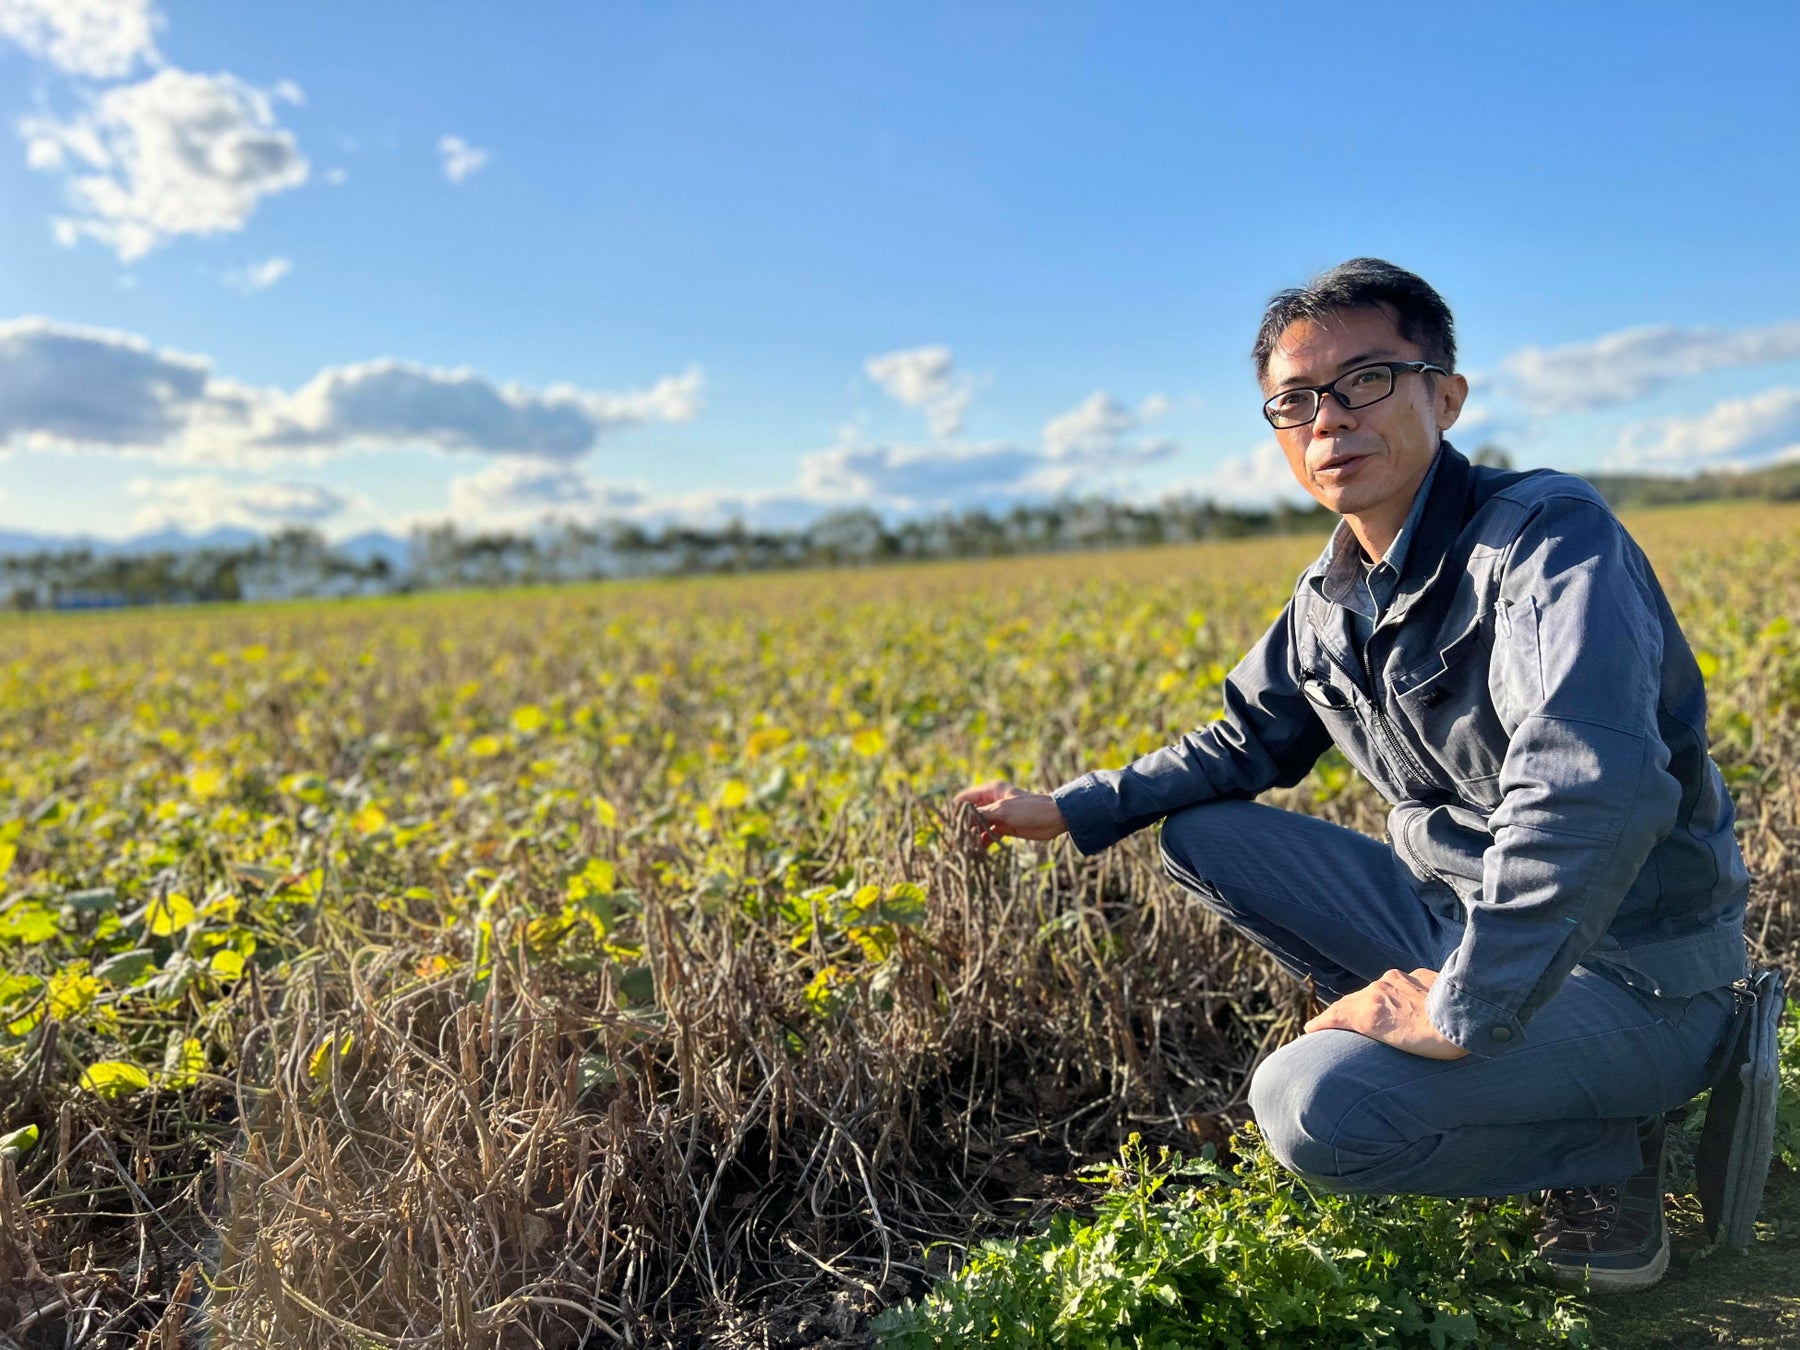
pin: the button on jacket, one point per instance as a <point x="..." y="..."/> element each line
<point x="1528" y="707"/>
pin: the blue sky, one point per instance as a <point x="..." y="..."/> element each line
<point x="768" y="261"/>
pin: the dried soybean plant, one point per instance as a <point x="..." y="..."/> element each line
<point x="609" y="965"/>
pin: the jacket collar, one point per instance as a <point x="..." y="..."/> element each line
<point x="1446" y="511"/>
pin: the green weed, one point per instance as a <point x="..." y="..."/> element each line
<point x="1185" y="1252"/>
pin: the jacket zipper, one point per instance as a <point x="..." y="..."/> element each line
<point x="1393" y="753"/>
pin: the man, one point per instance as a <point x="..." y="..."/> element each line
<point x="1538" y="965"/>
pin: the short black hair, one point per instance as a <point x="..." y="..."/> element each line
<point x="1419" y="313"/>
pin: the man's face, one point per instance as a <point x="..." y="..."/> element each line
<point x="1368" y="461"/>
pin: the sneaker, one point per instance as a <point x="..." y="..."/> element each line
<point x="1611" y="1238"/>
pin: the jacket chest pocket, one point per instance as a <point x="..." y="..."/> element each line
<point x="1445" y="703"/>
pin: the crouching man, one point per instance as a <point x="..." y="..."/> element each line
<point x="1537" y="965"/>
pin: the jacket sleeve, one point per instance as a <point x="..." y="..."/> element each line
<point x="1268" y="736"/>
<point x="1585" y="787"/>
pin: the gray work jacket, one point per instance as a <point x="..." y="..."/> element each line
<point x="1536" y="721"/>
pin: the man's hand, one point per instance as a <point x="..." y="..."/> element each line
<point x="1392" y="1011"/>
<point x="1000" y="809"/>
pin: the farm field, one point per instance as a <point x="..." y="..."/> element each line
<point x="606" y="961"/>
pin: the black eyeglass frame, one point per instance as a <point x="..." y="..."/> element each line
<point x="1318" y="391"/>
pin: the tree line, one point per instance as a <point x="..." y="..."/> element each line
<point x="300" y="562"/>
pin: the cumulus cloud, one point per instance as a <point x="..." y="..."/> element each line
<point x="102" y="39"/>
<point x="1628" y="364"/>
<point x="254" y="277"/>
<point x="1093" y="428"/>
<point x="176" y="154"/>
<point x="900" y="475"/>
<point x="925" y="378"/>
<point x="460" y="159"/>
<point x="203" y="502"/>
<point x="1736" y="431"/>
<point x="513" y="489"/>
<point x="63" y="386"/>
<point x="1258" y="478"/>
<point x="1080" y="448"/>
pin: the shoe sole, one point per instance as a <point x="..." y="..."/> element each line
<point x="1600" y="1280"/>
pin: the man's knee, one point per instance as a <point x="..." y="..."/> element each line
<point x="1196" y="839"/>
<point x="1304" y="1094"/>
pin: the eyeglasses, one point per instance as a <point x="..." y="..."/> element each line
<point x="1358" y="389"/>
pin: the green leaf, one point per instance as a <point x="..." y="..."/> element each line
<point x="19" y="1142"/>
<point x="637" y="987"/>
<point x="593" y="1071"/>
<point x="127" y="968"/>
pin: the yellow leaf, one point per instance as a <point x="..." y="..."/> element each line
<point x="868" y="742"/>
<point x="604" y="813"/>
<point x="332" y="1051"/>
<point x="484" y="747"/>
<point x="733" y="794"/>
<point x="206" y="782"/>
<point x="226" y="964"/>
<point x="1708" y="663"/>
<point x="113" y="1078"/>
<point x="168" y="914"/>
<point x="368" y="820"/>
<point x="8" y="852"/>
<point x="183" y="1062"/>
<point x="528" y="718"/>
<point x="72" y="992"/>
<point x="770" y="738"/>
<point x="459" y="787"/>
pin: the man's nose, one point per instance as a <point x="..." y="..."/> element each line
<point x="1332" y="416"/>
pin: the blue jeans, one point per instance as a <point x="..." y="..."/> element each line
<point x="1356" y="1115"/>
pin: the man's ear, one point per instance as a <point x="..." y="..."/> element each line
<point x="1447" y="400"/>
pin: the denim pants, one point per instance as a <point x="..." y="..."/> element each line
<point x="1353" y="1114"/>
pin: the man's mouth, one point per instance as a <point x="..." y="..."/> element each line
<point x="1337" y="464"/>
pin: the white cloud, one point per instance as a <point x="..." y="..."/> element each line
<point x="1628" y="364"/>
<point x="176" y="154"/>
<point x="1155" y="406"/>
<point x="253" y="277"/>
<point x="102" y="39"/>
<point x="64" y="385"/>
<point x="1093" y="428"/>
<point x="68" y="387"/>
<point x="908" y="476"/>
<point x="925" y="378"/>
<point x="203" y="502"/>
<point x="1080" y="449"/>
<point x="390" y="402"/>
<point x="1738" y="431"/>
<point x="515" y="491"/>
<point x="460" y="158"/>
<point x="336" y="177"/>
<point x="1259" y="478"/>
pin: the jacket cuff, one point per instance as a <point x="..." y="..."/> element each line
<point x="1482" y="1028"/>
<point x="1086" y="806"/>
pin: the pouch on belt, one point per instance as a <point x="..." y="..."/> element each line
<point x="1732" y="1162"/>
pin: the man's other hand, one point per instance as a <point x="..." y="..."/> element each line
<point x="1392" y="1011"/>
<point x="1000" y="809"/>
